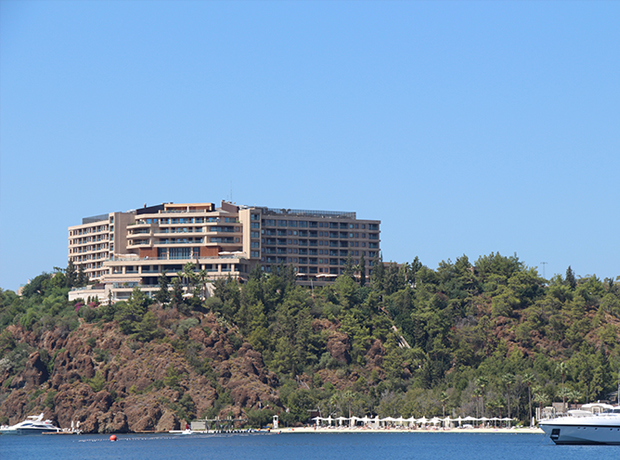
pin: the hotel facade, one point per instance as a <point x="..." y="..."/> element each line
<point x="121" y="250"/>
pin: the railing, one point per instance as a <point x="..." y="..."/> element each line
<point x="190" y="259"/>
<point x="302" y="212"/>
<point x="195" y="241"/>
<point x="221" y="230"/>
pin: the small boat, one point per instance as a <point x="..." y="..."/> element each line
<point x="581" y="427"/>
<point x="181" y="432"/>
<point x="34" y="424"/>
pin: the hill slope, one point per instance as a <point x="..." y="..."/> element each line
<point x="488" y="338"/>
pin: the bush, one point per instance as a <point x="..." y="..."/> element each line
<point x="96" y="383"/>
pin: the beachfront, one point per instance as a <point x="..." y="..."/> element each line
<point x="401" y="429"/>
<point x="401" y="425"/>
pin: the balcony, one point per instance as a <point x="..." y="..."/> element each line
<point x="221" y="230"/>
<point x="139" y="242"/>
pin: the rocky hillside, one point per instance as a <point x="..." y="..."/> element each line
<point x="110" y="383"/>
<point x="490" y="338"/>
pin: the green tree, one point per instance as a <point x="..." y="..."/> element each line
<point x="570" y="278"/>
<point x="71" y="275"/>
<point x="508" y="380"/>
<point x="562" y="369"/>
<point x="147" y="330"/>
<point x="362" y="270"/>
<point x="81" y="278"/>
<point x="163" y="294"/>
<point x="482" y="382"/>
<point x="130" y="313"/>
<point x="377" y="277"/>
<point x="528" y="379"/>
<point x="177" y="293"/>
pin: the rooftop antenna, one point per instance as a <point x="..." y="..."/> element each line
<point x="543" y="264"/>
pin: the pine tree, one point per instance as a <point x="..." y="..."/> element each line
<point x="378" y="274"/>
<point x="362" y="271"/>
<point x="163" y="294"/>
<point x="570" y="278"/>
<point x="71" y="275"/>
<point x="81" y="278"/>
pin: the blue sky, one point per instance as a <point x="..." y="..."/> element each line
<point x="465" y="127"/>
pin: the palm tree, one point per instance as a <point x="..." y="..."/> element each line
<point x="203" y="278"/>
<point x="348" y="396"/>
<point x="573" y="395"/>
<point x="482" y="382"/>
<point x="561" y="368"/>
<point x="528" y="379"/>
<point x="509" y="380"/>
<point x="443" y="397"/>
<point x="190" y="276"/>
<point x="477" y="393"/>
<point x="540" y="397"/>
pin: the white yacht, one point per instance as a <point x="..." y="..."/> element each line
<point x="585" y="427"/>
<point x="32" y="425"/>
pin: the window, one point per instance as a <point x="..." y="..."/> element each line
<point x="255" y="225"/>
<point x="180" y="253"/>
<point x="292" y="223"/>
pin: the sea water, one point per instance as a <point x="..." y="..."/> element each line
<point x="349" y="446"/>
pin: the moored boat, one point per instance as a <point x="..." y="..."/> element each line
<point x="585" y="428"/>
<point x="34" y="424"/>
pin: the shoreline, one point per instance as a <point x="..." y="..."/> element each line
<point x="407" y="430"/>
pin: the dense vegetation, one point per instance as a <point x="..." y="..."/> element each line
<point x="490" y="338"/>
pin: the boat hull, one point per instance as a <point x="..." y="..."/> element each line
<point x="22" y="431"/>
<point x="563" y="434"/>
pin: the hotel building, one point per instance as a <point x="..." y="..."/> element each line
<point x="121" y="250"/>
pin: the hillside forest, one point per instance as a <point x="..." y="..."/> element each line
<point x="488" y="338"/>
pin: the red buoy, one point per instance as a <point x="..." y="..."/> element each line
<point x="113" y="437"/>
